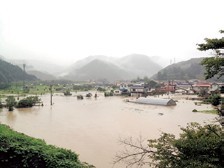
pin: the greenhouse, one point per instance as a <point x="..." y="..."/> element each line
<point x="155" y="101"/>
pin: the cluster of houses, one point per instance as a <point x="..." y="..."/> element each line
<point x="184" y="87"/>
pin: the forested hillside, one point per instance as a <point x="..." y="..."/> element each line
<point x="191" y="69"/>
<point x="11" y="73"/>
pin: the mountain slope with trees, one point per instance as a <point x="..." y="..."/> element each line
<point x="191" y="69"/>
<point x="11" y="73"/>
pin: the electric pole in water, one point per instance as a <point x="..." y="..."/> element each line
<point x="51" y="95"/>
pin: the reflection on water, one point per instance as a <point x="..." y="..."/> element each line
<point x="92" y="127"/>
<point x="11" y="118"/>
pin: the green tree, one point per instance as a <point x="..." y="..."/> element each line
<point x="197" y="147"/>
<point x="10" y="102"/>
<point x="152" y="84"/>
<point x="159" y="75"/>
<point x="146" y="79"/>
<point x="214" y="99"/>
<point x="213" y="65"/>
<point x="28" y="102"/>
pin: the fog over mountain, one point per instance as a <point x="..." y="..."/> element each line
<point x="97" y="67"/>
<point x="2" y="58"/>
<point x="100" y="67"/>
<point x="109" y="68"/>
<point x="80" y="63"/>
<point x="139" y="65"/>
<point x="37" y="65"/>
<point x="98" y="70"/>
<point x="41" y="75"/>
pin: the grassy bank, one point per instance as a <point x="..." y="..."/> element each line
<point x="19" y="150"/>
<point x="212" y="111"/>
<point x="18" y="89"/>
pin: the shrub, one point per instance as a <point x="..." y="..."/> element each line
<point x="214" y="99"/>
<point x="24" y="103"/>
<point x="106" y="94"/>
<point x="100" y="89"/>
<point x="28" y="102"/>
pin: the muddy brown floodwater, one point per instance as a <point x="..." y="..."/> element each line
<point x="92" y="127"/>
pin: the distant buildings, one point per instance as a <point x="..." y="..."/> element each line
<point x="175" y="86"/>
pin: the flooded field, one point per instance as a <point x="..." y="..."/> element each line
<point x="92" y="127"/>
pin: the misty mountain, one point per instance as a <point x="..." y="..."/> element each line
<point x="37" y="65"/>
<point x="2" y="58"/>
<point x="89" y="59"/>
<point x="12" y="73"/>
<point x="41" y="75"/>
<point x="111" y="69"/>
<point x="80" y="63"/>
<point x="99" y="70"/>
<point x="139" y="65"/>
<point x="162" y="61"/>
<point x="191" y="69"/>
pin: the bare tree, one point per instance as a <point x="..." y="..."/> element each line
<point x="136" y="152"/>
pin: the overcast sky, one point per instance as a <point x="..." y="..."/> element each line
<point x="64" y="31"/>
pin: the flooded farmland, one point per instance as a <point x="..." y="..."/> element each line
<point x="92" y="127"/>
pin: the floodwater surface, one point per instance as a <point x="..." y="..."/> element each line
<point x="92" y="127"/>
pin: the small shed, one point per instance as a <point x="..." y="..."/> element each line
<point x="155" y="101"/>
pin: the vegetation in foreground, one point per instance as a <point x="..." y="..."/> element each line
<point x="197" y="147"/>
<point x="18" y="150"/>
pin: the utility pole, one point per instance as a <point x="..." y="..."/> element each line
<point x="51" y="94"/>
<point x="24" y="69"/>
